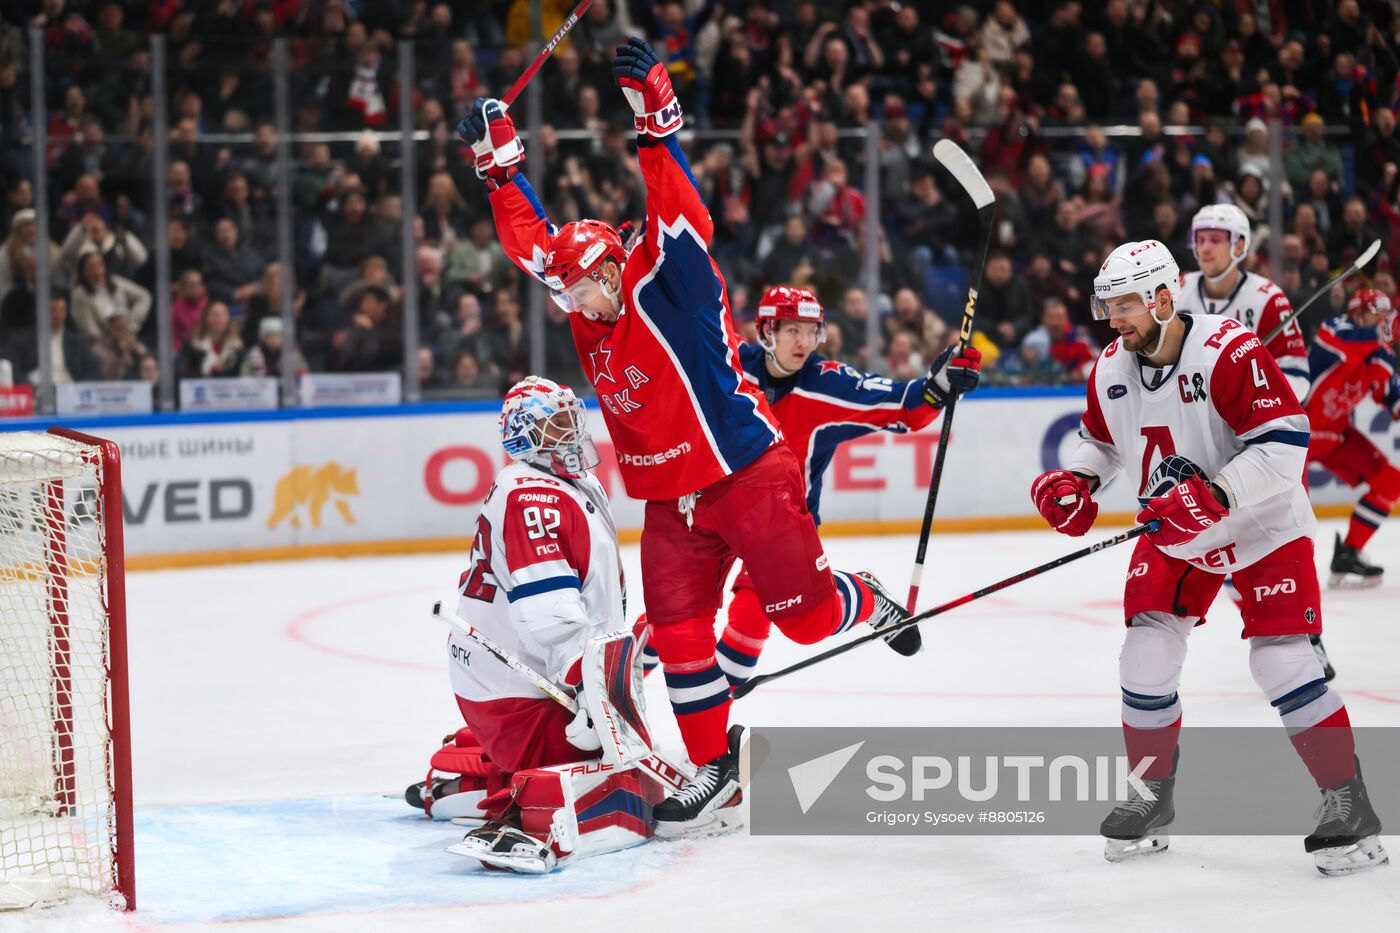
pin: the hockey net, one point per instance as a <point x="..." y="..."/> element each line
<point x="65" y="762"/>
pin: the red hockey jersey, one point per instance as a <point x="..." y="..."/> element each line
<point x="667" y="371"/>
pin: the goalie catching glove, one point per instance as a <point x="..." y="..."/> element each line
<point x="956" y="371"/>
<point x="647" y="87"/>
<point x="495" y="145"/>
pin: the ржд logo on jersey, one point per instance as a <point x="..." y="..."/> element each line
<point x="1288" y="585"/>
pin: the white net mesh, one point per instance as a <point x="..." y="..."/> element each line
<point x="57" y="811"/>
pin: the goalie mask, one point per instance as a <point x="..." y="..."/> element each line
<point x="1141" y="269"/>
<point x="543" y="423"/>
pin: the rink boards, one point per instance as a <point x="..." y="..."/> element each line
<point x="213" y="488"/>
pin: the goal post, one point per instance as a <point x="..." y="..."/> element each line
<point x="65" y="736"/>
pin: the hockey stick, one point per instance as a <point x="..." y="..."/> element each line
<point x="545" y="52"/>
<point x="957" y="162"/>
<point x="1342" y="276"/>
<point x="673" y="776"/>
<point x="753" y="682"/>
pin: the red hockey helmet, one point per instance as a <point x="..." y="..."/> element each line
<point x="578" y="250"/>
<point x="789" y="303"/>
<point x="1374" y="301"/>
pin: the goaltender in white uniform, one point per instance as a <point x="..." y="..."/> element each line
<point x="545" y="587"/>
<point x="1201" y="421"/>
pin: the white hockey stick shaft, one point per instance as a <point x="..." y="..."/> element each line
<point x="672" y="775"/>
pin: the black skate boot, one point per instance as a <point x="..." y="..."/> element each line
<point x="709" y="804"/>
<point x="1138" y="826"/>
<point x="1328" y="672"/>
<point x="889" y="611"/>
<point x="1347" y="838"/>
<point x="1350" y="569"/>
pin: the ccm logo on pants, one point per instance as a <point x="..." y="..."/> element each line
<point x="782" y="604"/>
<point x="1287" y="586"/>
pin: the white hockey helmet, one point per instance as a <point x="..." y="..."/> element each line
<point x="543" y="423"/>
<point x="1141" y="269"/>
<point x="1225" y="217"/>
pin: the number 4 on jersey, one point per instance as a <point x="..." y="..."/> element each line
<point x="1260" y="379"/>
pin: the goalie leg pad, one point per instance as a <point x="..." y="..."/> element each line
<point x="612" y="692"/>
<point x="586" y="808"/>
<point x="462" y="782"/>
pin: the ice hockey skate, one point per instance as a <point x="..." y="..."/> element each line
<point x="709" y="804"/>
<point x="888" y="613"/>
<point x="1351" y="570"/>
<point x="1139" y="826"/>
<point x="499" y="845"/>
<point x="1347" y="838"/>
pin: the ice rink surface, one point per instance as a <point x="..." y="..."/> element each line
<point x="280" y="710"/>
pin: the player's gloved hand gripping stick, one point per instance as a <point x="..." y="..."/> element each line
<point x="957" y="162"/>
<point x="997" y="587"/>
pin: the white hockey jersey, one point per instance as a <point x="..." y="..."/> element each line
<point x="545" y="576"/>
<point x="1224" y="406"/>
<point x="1258" y="304"/>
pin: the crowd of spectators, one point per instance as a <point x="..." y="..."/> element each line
<point x="779" y="93"/>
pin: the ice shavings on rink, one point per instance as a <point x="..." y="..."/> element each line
<point x="307" y="691"/>
<point x="299" y="857"/>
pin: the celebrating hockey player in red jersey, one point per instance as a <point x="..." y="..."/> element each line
<point x="1352" y="358"/>
<point x="693" y="437"/>
<point x="1201" y="421"/>
<point x="544" y="580"/>
<point x="820" y="403"/>
<point x="1220" y="242"/>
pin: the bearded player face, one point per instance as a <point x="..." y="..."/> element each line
<point x="1138" y="328"/>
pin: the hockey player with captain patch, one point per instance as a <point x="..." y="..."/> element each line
<point x="1202" y="422"/>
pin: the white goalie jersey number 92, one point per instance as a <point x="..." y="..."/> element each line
<point x="544" y="576"/>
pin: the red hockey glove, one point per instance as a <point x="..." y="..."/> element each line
<point x="1063" y="499"/>
<point x="1185" y="511"/>
<point x="951" y="375"/>
<point x="495" y="145"/>
<point x="647" y="87"/>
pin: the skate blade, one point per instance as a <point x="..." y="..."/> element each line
<point x="1121" y="850"/>
<point x="1363" y="855"/>
<point x="1347" y="581"/>
<point x="522" y="864"/>
<point x="720" y="821"/>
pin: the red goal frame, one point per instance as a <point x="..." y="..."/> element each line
<point x="108" y="455"/>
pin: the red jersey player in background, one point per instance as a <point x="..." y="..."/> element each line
<point x="693" y="437"/>
<point x="1352" y="358"/>
<point x="1200" y="419"/>
<point x="820" y="403"/>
